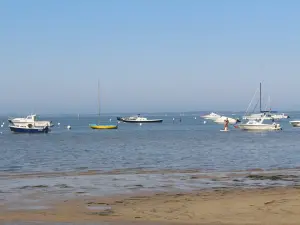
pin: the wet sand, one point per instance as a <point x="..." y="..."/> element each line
<point x="277" y="205"/>
<point x="163" y="197"/>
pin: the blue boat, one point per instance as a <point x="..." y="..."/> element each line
<point x="28" y="129"/>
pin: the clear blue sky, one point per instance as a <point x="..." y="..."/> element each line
<point x="150" y="56"/>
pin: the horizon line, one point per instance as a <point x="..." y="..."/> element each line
<point x="134" y="113"/>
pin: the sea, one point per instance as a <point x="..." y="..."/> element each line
<point x="136" y="157"/>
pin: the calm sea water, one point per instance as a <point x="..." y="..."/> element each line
<point x="189" y="144"/>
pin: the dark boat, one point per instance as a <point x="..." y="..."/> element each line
<point x="138" y="119"/>
<point x="28" y="129"/>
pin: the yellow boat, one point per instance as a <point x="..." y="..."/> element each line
<point x="98" y="126"/>
<point x="95" y="126"/>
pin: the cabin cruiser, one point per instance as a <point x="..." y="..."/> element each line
<point x="259" y="125"/>
<point x="138" y="119"/>
<point x="211" y="116"/>
<point x="223" y="118"/>
<point x="30" y="119"/>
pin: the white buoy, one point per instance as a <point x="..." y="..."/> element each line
<point x="110" y="120"/>
<point x="140" y="124"/>
<point x="58" y="124"/>
<point x="204" y="122"/>
<point x="2" y="125"/>
<point x="195" y="117"/>
<point x="69" y="127"/>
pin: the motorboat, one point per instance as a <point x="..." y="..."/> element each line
<point x="211" y="116"/>
<point x="295" y="123"/>
<point x="30" y="119"/>
<point x="259" y="125"/>
<point x="222" y="119"/>
<point x="138" y="119"/>
<point x="280" y="116"/>
<point x="28" y="128"/>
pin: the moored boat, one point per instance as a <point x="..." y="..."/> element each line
<point x="138" y="119"/>
<point x="280" y="116"/>
<point x="258" y="125"/>
<point x="95" y="126"/>
<point x="101" y="126"/>
<point x="28" y="128"/>
<point x="33" y="118"/>
<point x="256" y="121"/>
<point x="295" y="123"/>
<point x="223" y="118"/>
<point x="211" y="116"/>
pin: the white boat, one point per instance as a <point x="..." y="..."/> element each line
<point x="258" y="116"/>
<point x="280" y="116"/>
<point x="29" y="128"/>
<point x="223" y="118"/>
<point x="30" y="119"/>
<point x="256" y="121"/>
<point x="258" y="125"/>
<point x="211" y="116"/>
<point x="267" y="114"/>
<point x="295" y="123"/>
<point x="138" y="119"/>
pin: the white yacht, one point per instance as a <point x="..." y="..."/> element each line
<point x="30" y="119"/>
<point x="211" y="116"/>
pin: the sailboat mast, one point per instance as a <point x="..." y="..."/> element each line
<point x="260" y="97"/>
<point x="98" y="101"/>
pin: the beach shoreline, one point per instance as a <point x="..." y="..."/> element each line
<point x="267" y="205"/>
<point x="159" y="197"/>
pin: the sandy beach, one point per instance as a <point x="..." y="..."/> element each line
<point x="278" y="205"/>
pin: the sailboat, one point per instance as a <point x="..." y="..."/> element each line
<point x="256" y="121"/>
<point x="267" y="114"/>
<point x="99" y="126"/>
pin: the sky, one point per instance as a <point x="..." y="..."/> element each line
<point x="149" y="56"/>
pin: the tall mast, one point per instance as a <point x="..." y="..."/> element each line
<point x="260" y="97"/>
<point x="98" y="101"/>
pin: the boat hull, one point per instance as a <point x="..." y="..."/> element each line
<point x="102" y="127"/>
<point x="29" y="130"/>
<point x="295" y="123"/>
<point x="139" y="121"/>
